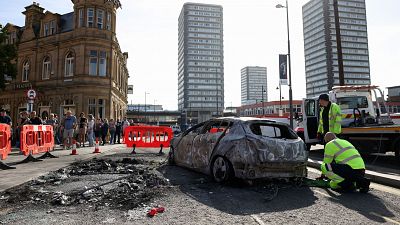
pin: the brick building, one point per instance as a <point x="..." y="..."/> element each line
<point x="72" y="61"/>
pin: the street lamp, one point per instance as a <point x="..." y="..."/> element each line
<point x="262" y="99"/>
<point x="280" y="98"/>
<point x="290" y="69"/>
<point x="145" y="106"/>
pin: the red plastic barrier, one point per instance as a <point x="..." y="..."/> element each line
<point x="5" y="140"/>
<point x="36" y="139"/>
<point x="148" y="136"/>
<point x="216" y="130"/>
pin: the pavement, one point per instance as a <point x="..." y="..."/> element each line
<point x="28" y="171"/>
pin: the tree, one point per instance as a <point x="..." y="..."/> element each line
<point x="8" y="54"/>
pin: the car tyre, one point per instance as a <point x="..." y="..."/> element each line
<point x="222" y="170"/>
<point x="171" y="160"/>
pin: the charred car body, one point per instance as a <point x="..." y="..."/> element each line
<point x="246" y="148"/>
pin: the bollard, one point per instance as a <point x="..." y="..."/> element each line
<point x="96" y="146"/>
<point x="74" y="152"/>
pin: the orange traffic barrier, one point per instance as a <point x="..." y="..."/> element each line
<point x="96" y="146"/>
<point x="36" y="139"/>
<point x="5" y="145"/>
<point x="5" y="140"/>
<point x="148" y="137"/>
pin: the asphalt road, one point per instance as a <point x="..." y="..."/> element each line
<point x="194" y="198"/>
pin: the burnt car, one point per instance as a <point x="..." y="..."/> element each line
<point x="245" y="148"/>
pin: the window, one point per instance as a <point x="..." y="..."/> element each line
<point x="81" y="18"/>
<point x="102" y="64"/>
<point x="108" y="21"/>
<point x="69" y="65"/>
<point x="101" y="108"/>
<point x="92" y="106"/>
<point x="97" y="63"/>
<point x="52" y="27"/>
<point x="46" y="68"/>
<point x="272" y="131"/>
<point x="90" y="17"/>
<point x="352" y="102"/>
<point x="93" y="63"/>
<point x="46" y="29"/>
<point x="100" y="15"/>
<point x="25" y="72"/>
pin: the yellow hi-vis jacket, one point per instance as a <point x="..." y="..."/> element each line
<point x="335" y="119"/>
<point x="342" y="152"/>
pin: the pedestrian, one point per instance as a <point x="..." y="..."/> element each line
<point x="104" y="131"/>
<point x="330" y="117"/>
<point x="112" y="128"/>
<point x="97" y="129"/>
<point x="34" y="119"/>
<point x="54" y="123"/>
<point x="23" y="120"/>
<point x="343" y="165"/>
<point x="69" y="126"/>
<point x="118" y="129"/>
<point x="125" y="124"/>
<point x="90" y="130"/>
<point x="4" y="118"/>
<point x="82" y="129"/>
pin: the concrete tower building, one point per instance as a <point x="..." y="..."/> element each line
<point x="335" y="44"/>
<point x="201" y="62"/>
<point x="253" y="85"/>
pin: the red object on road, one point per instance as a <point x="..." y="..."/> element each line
<point x="152" y="212"/>
<point x="96" y="146"/>
<point x="160" y="209"/>
<point x="148" y="136"/>
<point x="5" y="140"/>
<point x="74" y="152"/>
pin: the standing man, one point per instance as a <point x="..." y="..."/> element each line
<point x="330" y="117"/>
<point x="4" y="118"/>
<point x="82" y="129"/>
<point x="35" y="120"/>
<point x="53" y="122"/>
<point x="117" y="136"/>
<point x="343" y="165"/>
<point x="69" y="124"/>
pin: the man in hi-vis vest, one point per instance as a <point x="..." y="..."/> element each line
<point x="343" y="165"/>
<point x="330" y="117"/>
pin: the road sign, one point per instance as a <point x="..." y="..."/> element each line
<point x="31" y="94"/>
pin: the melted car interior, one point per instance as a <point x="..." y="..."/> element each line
<point x="272" y="130"/>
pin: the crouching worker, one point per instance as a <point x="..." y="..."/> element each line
<point x="343" y="165"/>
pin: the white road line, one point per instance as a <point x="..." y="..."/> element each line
<point x="258" y="219"/>
<point x="386" y="218"/>
<point x="373" y="213"/>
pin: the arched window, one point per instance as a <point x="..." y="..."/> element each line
<point x="46" y="68"/>
<point x="25" y="71"/>
<point x="69" y="65"/>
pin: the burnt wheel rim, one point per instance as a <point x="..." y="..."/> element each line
<point x="220" y="170"/>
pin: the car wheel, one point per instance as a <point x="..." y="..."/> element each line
<point x="222" y="170"/>
<point x="171" y="160"/>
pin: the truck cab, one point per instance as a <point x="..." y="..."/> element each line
<point x="365" y="119"/>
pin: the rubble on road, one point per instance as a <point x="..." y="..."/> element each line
<point x="123" y="184"/>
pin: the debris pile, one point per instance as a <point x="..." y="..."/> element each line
<point x="124" y="184"/>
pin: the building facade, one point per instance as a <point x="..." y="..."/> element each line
<point x="253" y="85"/>
<point x="326" y="56"/>
<point x="72" y="61"/>
<point x="201" y="61"/>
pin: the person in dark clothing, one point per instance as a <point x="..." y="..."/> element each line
<point x="4" y="118"/>
<point x="97" y="129"/>
<point x="35" y="120"/>
<point x="104" y="131"/>
<point x="118" y="131"/>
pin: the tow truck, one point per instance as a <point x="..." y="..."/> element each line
<point x="366" y="122"/>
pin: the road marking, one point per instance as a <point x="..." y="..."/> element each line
<point x="373" y="213"/>
<point x="257" y="219"/>
<point x="386" y="218"/>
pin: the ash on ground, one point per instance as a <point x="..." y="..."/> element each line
<point x="120" y="184"/>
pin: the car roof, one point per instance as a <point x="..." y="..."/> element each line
<point x="248" y="119"/>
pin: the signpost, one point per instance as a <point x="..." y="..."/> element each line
<point x="31" y="95"/>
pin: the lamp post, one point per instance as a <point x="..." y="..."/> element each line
<point x="280" y="98"/>
<point x="262" y="99"/>
<point x="290" y="69"/>
<point x="145" y="106"/>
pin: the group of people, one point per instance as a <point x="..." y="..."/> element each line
<point x="342" y="163"/>
<point x="69" y="128"/>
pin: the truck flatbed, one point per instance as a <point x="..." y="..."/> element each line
<point x="387" y="129"/>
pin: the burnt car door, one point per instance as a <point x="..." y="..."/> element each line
<point x="310" y="120"/>
<point x="183" y="155"/>
<point x="204" y="143"/>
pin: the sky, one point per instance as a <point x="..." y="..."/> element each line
<point x="254" y="35"/>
